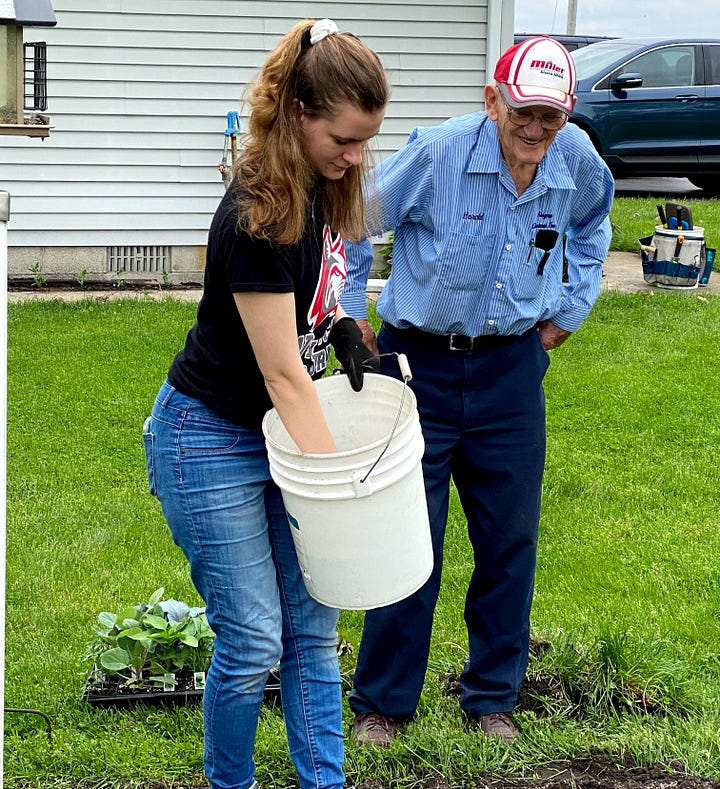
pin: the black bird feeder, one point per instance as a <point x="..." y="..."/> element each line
<point x="23" y="68"/>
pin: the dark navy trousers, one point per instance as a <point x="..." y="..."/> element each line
<point x="482" y="414"/>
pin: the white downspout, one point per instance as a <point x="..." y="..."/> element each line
<point x="500" y="32"/>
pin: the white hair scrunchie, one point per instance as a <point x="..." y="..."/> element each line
<point x="322" y="29"/>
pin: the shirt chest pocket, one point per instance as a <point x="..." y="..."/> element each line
<point x="465" y="261"/>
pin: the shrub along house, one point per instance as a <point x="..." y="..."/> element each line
<point x="139" y="96"/>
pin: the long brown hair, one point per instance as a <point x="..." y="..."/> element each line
<point x="273" y="169"/>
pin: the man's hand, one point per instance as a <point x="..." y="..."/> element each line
<point x="368" y="335"/>
<point x="551" y="336"/>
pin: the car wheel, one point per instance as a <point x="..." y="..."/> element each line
<point x="708" y="183"/>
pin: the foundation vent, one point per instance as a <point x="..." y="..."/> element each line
<point x="141" y="260"/>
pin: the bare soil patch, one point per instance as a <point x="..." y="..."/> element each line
<point x="593" y="771"/>
<point x="50" y="285"/>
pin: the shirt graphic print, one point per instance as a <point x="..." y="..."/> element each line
<point x="331" y="281"/>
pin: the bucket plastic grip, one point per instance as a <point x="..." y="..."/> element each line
<point x="406" y="374"/>
<point x="362" y="487"/>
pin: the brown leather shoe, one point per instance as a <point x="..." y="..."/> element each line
<point x="371" y="728"/>
<point x="498" y="724"/>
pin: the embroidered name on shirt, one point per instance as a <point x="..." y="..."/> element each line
<point x="544" y="222"/>
<point x="468" y="215"/>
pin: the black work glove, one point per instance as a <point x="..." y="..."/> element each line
<point x="351" y="352"/>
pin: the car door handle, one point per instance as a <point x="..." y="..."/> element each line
<point x="687" y="97"/>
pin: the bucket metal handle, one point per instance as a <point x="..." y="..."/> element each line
<point x="406" y="376"/>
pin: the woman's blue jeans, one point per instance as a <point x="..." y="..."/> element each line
<point x="213" y="482"/>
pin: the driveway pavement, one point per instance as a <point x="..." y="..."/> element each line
<point x="662" y="188"/>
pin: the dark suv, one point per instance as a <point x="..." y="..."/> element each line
<point x="570" y="42"/>
<point x="652" y="106"/>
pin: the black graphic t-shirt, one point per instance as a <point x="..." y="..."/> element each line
<point x="217" y="364"/>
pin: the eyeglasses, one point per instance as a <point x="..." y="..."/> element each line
<point x="551" y="121"/>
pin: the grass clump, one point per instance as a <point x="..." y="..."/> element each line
<point x="614" y="673"/>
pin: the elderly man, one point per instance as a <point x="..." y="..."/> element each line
<point x="480" y="206"/>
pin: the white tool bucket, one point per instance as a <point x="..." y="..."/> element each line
<point x="358" y="516"/>
<point x="670" y="266"/>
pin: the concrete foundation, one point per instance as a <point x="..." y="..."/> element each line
<point x="90" y="264"/>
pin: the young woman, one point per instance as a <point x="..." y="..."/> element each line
<point x="274" y="274"/>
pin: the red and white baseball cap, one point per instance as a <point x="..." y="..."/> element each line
<point x="537" y="71"/>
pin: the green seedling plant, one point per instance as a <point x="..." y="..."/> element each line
<point x="39" y="278"/>
<point x="150" y="640"/>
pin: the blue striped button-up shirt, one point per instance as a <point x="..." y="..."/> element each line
<point x="463" y="260"/>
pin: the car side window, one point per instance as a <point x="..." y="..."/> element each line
<point x="713" y="73"/>
<point x="668" y="67"/>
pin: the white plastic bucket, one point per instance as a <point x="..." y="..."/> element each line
<point x="672" y="265"/>
<point x="362" y="540"/>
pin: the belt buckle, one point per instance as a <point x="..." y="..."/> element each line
<point x="461" y="342"/>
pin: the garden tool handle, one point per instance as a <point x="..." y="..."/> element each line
<point x="678" y="246"/>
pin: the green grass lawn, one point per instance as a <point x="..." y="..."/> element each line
<point x="628" y="568"/>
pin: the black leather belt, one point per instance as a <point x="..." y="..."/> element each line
<point x="451" y="342"/>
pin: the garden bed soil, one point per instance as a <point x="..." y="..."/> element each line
<point x="50" y="285"/>
<point x="593" y="771"/>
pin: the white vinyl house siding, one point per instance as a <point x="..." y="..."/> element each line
<point x="139" y="92"/>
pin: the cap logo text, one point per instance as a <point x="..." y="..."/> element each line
<point x="547" y="65"/>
